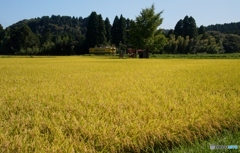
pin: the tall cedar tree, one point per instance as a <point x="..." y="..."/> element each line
<point x="101" y="33"/>
<point x="128" y="22"/>
<point x="1" y="38"/>
<point x="186" y="27"/>
<point x="192" y="30"/>
<point x="178" y="30"/>
<point x="114" y="31"/>
<point x="122" y="30"/>
<point x="108" y="30"/>
<point x="92" y="31"/>
<point x="1" y="32"/>
<point x="119" y="33"/>
<point x="145" y="32"/>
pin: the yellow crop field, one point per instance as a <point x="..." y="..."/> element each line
<point x="93" y="104"/>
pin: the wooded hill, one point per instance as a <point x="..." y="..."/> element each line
<point x="57" y="35"/>
<point x="64" y="35"/>
<point x="232" y="28"/>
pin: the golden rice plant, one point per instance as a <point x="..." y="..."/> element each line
<point x="89" y="104"/>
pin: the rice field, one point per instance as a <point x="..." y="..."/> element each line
<point x="95" y="104"/>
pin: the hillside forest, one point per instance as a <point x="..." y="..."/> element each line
<point x="65" y="35"/>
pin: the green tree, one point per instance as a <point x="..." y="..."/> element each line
<point x="1" y="38"/>
<point x="170" y="32"/>
<point x="185" y="45"/>
<point x="171" y="46"/>
<point x="46" y="36"/>
<point x="178" y="30"/>
<point x="92" y="31"/>
<point x="108" y="30"/>
<point x="192" y="29"/>
<point x="181" y="45"/>
<point x="119" y="31"/>
<point x="201" y="30"/>
<point x="122" y="30"/>
<point x="115" y="31"/>
<point x="145" y="32"/>
<point x="231" y="43"/>
<point x="7" y="44"/>
<point x="22" y="39"/>
<point x="27" y="38"/>
<point x="128" y="22"/>
<point x="220" y="38"/>
<point x="1" y="32"/>
<point x="101" y="32"/>
<point x="186" y="27"/>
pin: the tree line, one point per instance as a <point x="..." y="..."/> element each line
<point x="64" y="35"/>
<point x="188" y="38"/>
<point x="232" y="28"/>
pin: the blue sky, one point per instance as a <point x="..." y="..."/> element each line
<point x="205" y="12"/>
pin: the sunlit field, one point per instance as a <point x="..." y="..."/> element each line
<point x="95" y="104"/>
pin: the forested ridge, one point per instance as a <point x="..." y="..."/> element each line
<point x="55" y="35"/>
<point x="65" y="35"/>
<point x="233" y="28"/>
